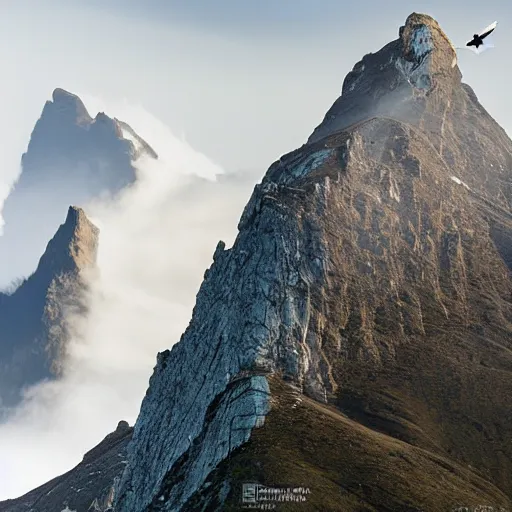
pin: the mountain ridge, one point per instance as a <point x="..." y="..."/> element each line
<point x="71" y="158"/>
<point x="66" y="110"/>
<point x="361" y="288"/>
<point x="34" y="331"/>
<point x="73" y="489"/>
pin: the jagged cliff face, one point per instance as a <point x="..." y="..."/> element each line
<point x="372" y="274"/>
<point x="88" y="487"/>
<point x="71" y="158"/>
<point x="34" y="333"/>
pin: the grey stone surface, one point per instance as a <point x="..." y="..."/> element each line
<point x="228" y="424"/>
<point x="252" y="313"/>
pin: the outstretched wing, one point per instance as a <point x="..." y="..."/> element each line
<point x="487" y="30"/>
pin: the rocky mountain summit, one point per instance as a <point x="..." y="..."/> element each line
<point x="34" y="334"/>
<point x="71" y="158"/>
<point x="88" y="487"/>
<point x="362" y="318"/>
<point x="355" y="343"/>
<point x="66" y="134"/>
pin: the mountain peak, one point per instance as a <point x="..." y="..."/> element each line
<point x="367" y="282"/>
<point x="421" y="36"/>
<point x="74" y="246"/>
<point x="33" y="318"/>
<point x="71" y="159"/>
<point x="408" y="77"/>
<point x="65" y="128"/>
<point x="61" y="95"/>
<point x="70" y="105"/>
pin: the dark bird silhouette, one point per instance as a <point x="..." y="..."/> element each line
<point x="478" y="39"/>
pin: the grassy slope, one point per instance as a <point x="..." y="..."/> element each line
<point x="347" y="467"/>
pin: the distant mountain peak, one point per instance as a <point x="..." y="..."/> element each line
<point x="72" y="158"/>
<point x="67" y="109"/>
<point x="74" y="245"/>
<point x="65" y="129"/>
<point x="34" y="331"/>
<point x="68" y="104"/>
<point x="60" y="95"/>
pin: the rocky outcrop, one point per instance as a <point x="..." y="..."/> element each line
<point x="34" y="332"/>
<point x="88" y="487"/>
<point x="71" y="158"/>
<point x="370" y="274"/>
<point x="397" y="80"/>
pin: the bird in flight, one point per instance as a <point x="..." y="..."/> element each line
<point x="478" y="39"/>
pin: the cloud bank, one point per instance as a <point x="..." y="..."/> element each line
<point x="156" y="240"/>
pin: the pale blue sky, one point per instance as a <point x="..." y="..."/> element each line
<point x="241" y="16"/>
<point x="338" y="32"/>
<point x="244" y="81"/>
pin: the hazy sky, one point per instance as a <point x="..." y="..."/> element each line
<point x="243" y="83"/>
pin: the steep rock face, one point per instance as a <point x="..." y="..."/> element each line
<point x="372" y="273"/>
<point x="71" y="158"/>
<point x="33" y="333"/>
<point x="88" y="487"/>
